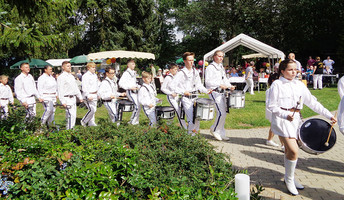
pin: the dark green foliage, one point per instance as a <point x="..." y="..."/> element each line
<point x="125" y="162"/>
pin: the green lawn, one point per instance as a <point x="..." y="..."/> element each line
<point x="252" y="116"/>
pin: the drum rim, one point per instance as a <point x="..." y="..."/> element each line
<point x="305" y="147"/>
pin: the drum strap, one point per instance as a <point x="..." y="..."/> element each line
<point x="149" y="91"/>
<point x="112" y="88"/>
<point x="193" y="78"/>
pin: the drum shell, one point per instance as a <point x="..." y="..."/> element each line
<point x="126" y="105"/>
<point x="236" y="99"/>
<point x="313" y="134"/>
<point x="164" y="112"/>
<point x="205" y="109"/>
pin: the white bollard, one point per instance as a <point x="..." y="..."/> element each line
<point x="242" y="186"/>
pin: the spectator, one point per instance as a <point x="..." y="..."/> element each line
<point x="234" y="73"/>
<point x="328" y="63"/>
<point x="309" y="74"/>
<point x="310" y="61"/>
<point x="318" y="74"/>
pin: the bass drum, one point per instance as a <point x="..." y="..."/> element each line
<point x="313" y="135"/>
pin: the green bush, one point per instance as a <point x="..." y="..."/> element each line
<point x="110" y="162"/>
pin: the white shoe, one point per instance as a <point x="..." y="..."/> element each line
<point x="83" y="123"/>
<point x="271" y="143"/>
<point x="298" y="185"/>
<point x="216" y="135"/>
<point x="225" y="138"/>
<point x="283" y="148"/>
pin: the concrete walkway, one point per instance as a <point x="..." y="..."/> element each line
<point x="322" y="175"/>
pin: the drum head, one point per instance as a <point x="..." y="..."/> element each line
<point x="164" y="108"/>
<point x="124" y="102"/>
<point x="204" y="101"/>
<point x="314" y="134"/>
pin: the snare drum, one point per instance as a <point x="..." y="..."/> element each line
<point x="313" y="135"/>
<point x="164" y="112"/>
<point x="236" y="99"/>
<point x="125" y="105"/>
<point x="204" y="109"/>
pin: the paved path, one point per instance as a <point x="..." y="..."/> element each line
<point x="322" y="175"/>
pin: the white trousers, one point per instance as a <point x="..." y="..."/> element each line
<point x="49" y="109"/>
<point x="174" y="103"/>
<point x="112" y="110"/>
<point x="3" y="109"/>
<point x="317" y="81"/>
<point x="31" y="109"/>
<point x="92" y="108"/>
<point x="188" y="108"/>
<point x="220" y="105"/>
<point x="249" y="84"/>
<point x="70" y="112"/>
<point x="134" y="120"/>
<point x="150" y="113"/>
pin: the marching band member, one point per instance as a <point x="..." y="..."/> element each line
<point x="25" y="90"/>
<point x="188" y="82"/>
<point x="128" y="82"/>
<point x="68" y="91"/>
<point x="216" y="80"/>
<point x="147" y="98"/>
<point x="286" y="98"/>
<point x="90" y="85"/>
<point x="172" y="97"/>
<point x="108" y="93"/>
<point x="6" y="96"/>
<point x="47" y="89"/>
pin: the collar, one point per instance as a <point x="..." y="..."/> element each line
<point x="217" y="65"/>
<point x="25" y="75"/>
<point x="284" y="80"/>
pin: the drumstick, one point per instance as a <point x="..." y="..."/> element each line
<point x="329" y="134"/>
<point x="297" y="105"/>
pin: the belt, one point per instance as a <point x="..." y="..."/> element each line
<point x="191" y="96"/>
<point x="4" y="98"/>
<point x="93" y="92"/>
<point x="291" y="109"/>
<point x="107" y="100"/>
<point x="50" y="93"/>
<point x="194" y="92"/>
<point x="30" y="96"/>
<point x="219" y="90"/>
<point x="70" y="96"/>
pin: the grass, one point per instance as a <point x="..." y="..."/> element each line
<point x="251" y="116"/>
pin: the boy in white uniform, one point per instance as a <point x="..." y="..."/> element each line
<point x="172" y="97"/>
<point x="25" y="90"/>
<point x="108" y="93"/>
<point x="147" y="98"/>
<point x="188" y="83"/>
<point x="68" y="91"/>
<point x="129" y="83"/>
<point x="216" y="80"/>
<point x="6" y="96"/>
<point x="47" y="89"/>
<point x="90" y="85"/>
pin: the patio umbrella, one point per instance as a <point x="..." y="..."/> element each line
<point x="82" y="60"/>
<point x="34" y="63"/>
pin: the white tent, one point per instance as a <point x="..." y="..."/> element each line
<point x="57" y="62"/>
<point x="254" y="55"/>
<point x="250" y="43"/>
<point x="120" y="54"/>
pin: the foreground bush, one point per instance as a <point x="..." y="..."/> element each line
<point x="110" y="162"/>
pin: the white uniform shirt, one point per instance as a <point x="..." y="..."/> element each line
<point x="66" y="85"/>
<point x="341" y="87"/>
<point x="147" y="95"/>
<point x="166" y="85"/>
<point x="215" y="75"/>
<point x="46" y="85"/>
<point x="187" y="80"/>
<point x="6" y="93"/>
<point x="285" y="94"/>
<point x="90" y="84"/>
<point x="128" y="80"/>
<point x="249" y="69"/>
<point x="24" y="87"/>
<point x="107" y="89"/>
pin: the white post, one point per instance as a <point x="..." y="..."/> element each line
<point x="242" y="186"/>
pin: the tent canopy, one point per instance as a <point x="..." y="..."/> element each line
<point x="57" y="62"/>
<point x="120" y="54"/>
<point x="254" y="55"/>
<point x="250" y="43"/>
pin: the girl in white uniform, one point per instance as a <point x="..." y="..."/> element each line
<point x="172" y="96"/>
<point x="47" y="89"/>
<point x="147" y="98"/>
<point x="108" y="93"/>
<point x="287" y="96"/>
<point x="6" y="96"/>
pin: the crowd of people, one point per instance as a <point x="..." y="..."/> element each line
<point x="182" y="86"/>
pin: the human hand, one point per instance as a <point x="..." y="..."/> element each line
<point x="290" y="118"/>
<point x="25" y="104"/>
